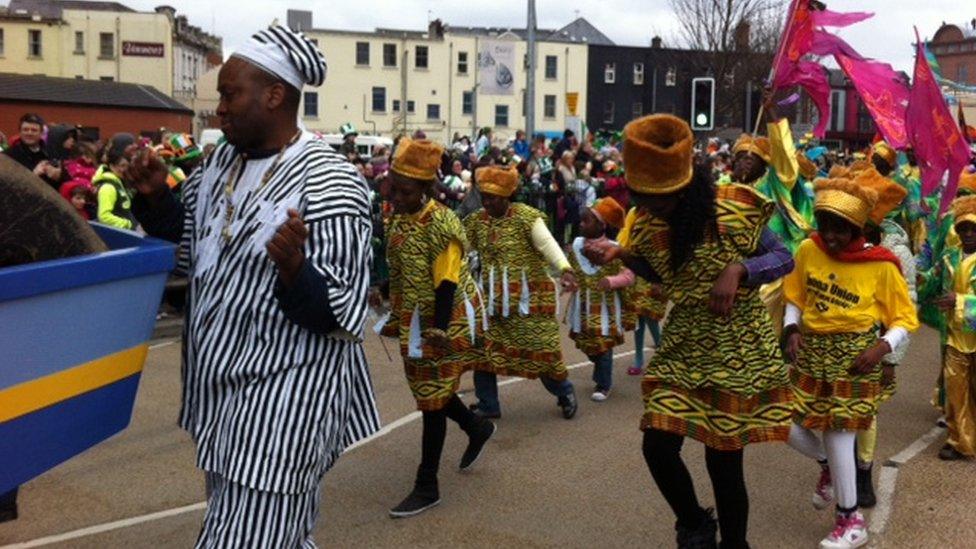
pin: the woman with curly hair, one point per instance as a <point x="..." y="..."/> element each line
<point x="718" y="376"/>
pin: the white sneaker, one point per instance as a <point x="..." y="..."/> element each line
<point x="849" y="532"/>
<point x="823" y="495"/>
<point x="600" y="395"/>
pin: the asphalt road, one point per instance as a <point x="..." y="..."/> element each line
<point x="543" y="482"/>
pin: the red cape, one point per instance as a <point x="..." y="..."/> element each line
<point x="858" y="251"/>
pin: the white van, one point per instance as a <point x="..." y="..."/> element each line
<point x="364" y="143"/>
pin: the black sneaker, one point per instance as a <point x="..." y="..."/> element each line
<point x="948" y="453"/>
<point x="569" y="405"/>
<point x="417" y="502"/>
<point x="700" y="537"/>
<point x="865" y="489"/>
<point x="476" y="443"/>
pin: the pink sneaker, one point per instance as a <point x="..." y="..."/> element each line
<point x="849" y="532"/>
<point x="635" y="371"/>
<point x="823" y="495"/>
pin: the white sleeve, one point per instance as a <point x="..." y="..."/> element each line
<point x="544" y="242"/>
<point x="792" y="315"/>
<point x="896" y="337"/>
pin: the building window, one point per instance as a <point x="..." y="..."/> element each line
<point x="462" y="62"/>
<point x="671" y="77"/>
<point x="837" y="100"/>
<point x="107" y="78"/>
<point x="420" y="57"/>
<point x="608" y="113"/>
<point x="389" y="55"/>
<point x="379" y="99"/>
<point x="501" y="116"/>
<point x="411" y="107"/>
<point x="638" y="74"/>
<point x="362" y="53"/>
<point x="638" y="110"/>
<point x="610" y="73"/>
<point x="396" y="105"/>
<point x="311" y="104"/>
<point x="33" y="43"/>
<point x="1" y="41"/>
<point x="106" y="45"/>
<point x="433" y="112"/>
<point x="551" y="66"/>
<point x="467" y="103"/>
<point x="79" y="42"/>
<point x="549" y="106"/>
<point x="963" y="77"/>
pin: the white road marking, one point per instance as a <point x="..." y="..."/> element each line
<point x="162" y="344"/>
<point x="126" y="523"/>
<point x="107" y="527"/>
<point x="889" y="477"/>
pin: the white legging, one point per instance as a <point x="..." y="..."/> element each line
<point x="840" y="457"/>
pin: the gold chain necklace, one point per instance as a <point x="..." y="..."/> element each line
<point x="231" y="183"/>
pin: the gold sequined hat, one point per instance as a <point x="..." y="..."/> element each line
<point x="497" y="181"/>
<point x="657" y="154"/>
<point x="885" y="151"/>
<point x="845" y="198"/>
<point x="758" y="146"/>
<point x="417" y="159"/>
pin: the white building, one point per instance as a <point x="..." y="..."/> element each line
<point x="396" y="81"/>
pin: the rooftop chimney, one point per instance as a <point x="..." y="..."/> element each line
<point x="656" y="42"/>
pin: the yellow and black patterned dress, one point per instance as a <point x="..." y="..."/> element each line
<point x="595" y="316"/>
<point x="520" y="296"/>
<point x="414" y="244"/>
<point x="639" y="301"/>
<point x="721" y="381"/>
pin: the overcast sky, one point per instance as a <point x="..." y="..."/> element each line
<point x="887" y="36"/>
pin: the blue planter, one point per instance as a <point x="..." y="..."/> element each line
<point x="73" y="339"/>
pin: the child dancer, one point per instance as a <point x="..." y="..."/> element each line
<point x="841" y="289"/>
<point x="595" y="310"/>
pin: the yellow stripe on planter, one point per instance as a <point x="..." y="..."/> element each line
<point x="40" y="393"/>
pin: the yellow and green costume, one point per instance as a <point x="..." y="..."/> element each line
<point x="721" y="381"/>
<point x="423" y="250"/>
<point x="595" y="316"/>
<point x="842" y="304"/>
<point x="639" y="301"/>
<point x="519" y="295"/>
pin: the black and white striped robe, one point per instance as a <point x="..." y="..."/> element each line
<point x="269" y="404"/>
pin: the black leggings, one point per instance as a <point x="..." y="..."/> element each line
<point x="435" y="431"/>
<point x="662" y="451"/>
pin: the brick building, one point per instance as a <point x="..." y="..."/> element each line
<point x="954" y="46"/>
<point x="100" y="108"/>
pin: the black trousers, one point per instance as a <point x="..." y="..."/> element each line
<point x="662" y="452"/>
<point x="435" y="431"/>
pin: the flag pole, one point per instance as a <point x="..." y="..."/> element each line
<point x="772" y="69"/>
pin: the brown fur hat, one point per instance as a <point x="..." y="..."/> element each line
<point x="417" y="159"/>
<point x="658" y="154"/>
<point x="497" y="181"/>
<point x="890" y="194"/>
<point x="808" y="169"/>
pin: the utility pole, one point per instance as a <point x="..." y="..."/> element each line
<point x="530" y="78"/>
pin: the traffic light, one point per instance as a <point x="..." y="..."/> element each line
<point x="703" y="104"/>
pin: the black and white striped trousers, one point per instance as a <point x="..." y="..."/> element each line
<point x="241" y="517"/>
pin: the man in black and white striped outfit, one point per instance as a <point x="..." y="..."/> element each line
<point x="274" y="234"/>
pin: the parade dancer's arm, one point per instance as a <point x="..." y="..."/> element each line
<point x="770" y="262"/>
<point x="545" y="244"/>
<point x="446" y="274"/>
<point x="155" y="206"/>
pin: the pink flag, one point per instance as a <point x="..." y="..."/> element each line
<point x="938" y="143"/>
<point x="802" y="36"/>
<point x="884" y="92"/>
